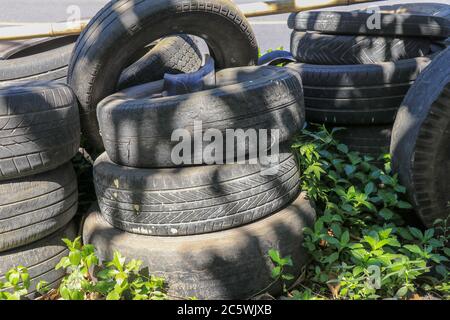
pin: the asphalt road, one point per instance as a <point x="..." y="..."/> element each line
<point x="271" y="31"/>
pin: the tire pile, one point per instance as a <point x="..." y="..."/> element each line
<point x="205" y="227"/>
<point x="356" y="75"/>
<point x="39" y="134"/>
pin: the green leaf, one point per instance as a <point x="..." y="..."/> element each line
<point x="405" y="234"/>
<point x="68" y="243"/>
<point x="63" y="263"/>
<point x="64" y="292"/>
<point x="349" y="169"/>
<point x="416" y="233"/>
<point x="75" y="257"/>
<point x="402" y="292"/>
<point x="342" y="148"/>
<point x="429" y="233"/>
<point x="371" y="241"/>
<point x="287" y="277"/>
<point x="385" y="233"/>
<point x="113" y="295"/>
<point x="345" y="238"/>
<point x="42" y="287"/>
<point x="276" y="272"/>
<point x="332" y="257"/>
<point x="446" y="251"/>
<point x="386" y="214"/>
<point x="275" y="256"/>
<point x="404" y="205"/>
<point x="413" y="248"/>
<point x="369" y="188"/>
<point x="393" y="242"/>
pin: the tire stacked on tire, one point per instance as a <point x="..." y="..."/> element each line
<point x="205" y="226"/>
<point x="39" y="134"/>
<point x="219" y="218"/>
<point x="356" y="76"/>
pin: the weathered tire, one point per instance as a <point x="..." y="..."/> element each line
<point x="420" y="141"/>
<point x="39" y="128"/>
<point x="371" y="141"/>
<point x="139" y="132"/>
<point x="358" y="22"/>
<point x="357" y="94"/>
<point x="192" y="200"/>
<point x="45" y="60"/>
<point x="231" y="264"/>
<point x="324" y="49"/>
<point x="33" y="207"/>
<point x="175" y="54"/>
<point x="40" y="258"/>
<point x="98" y="60"/>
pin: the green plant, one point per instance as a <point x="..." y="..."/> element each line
<point x="16" y="285"/>
<point x="115" y="279"/>
<point x="88" y="279"/>
<point x="278" y="272"/>
<point x="360" y="245"/>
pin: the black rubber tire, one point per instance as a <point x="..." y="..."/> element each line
<point x="231" y="264"/>
<point x="192" y="200"/>
<point x="370" y="141"/>
<point x="40" y="258"/>
<point x="45" y="60"/>
<point x="356" y="22"/>
<point x="324" y="49"/>
<point x="174" y="54"/>
<point x="357" y="94"/>
<point x="138" y="132"/>
<point x="33" y="207"/>
<point x="420" y="142"/>
<point x="99" y="60"/>
<point x="39" y="128"/>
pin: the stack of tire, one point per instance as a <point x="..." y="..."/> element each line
<point x="39" y="134"/>
<point x="355" y="74"/>
<point x="206" y="228"/>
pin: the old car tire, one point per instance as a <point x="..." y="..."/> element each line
<point x="33" y="207"/>
<point x="357" y="94"/>
<point x="98" y="61"/>
<point x="40" y="258"/>
<point x="174" y="54"/>
<point x="192" y="200"/>
<point x="45" y="60"/>
<point x="138" y="132"/>
<point x="39" y="128"/>
<point x="420" y="140"/>
<point x="359" y="22"/>
<point x="324" y="49"/>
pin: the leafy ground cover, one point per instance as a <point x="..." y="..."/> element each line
<point x="363" y="245"/>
